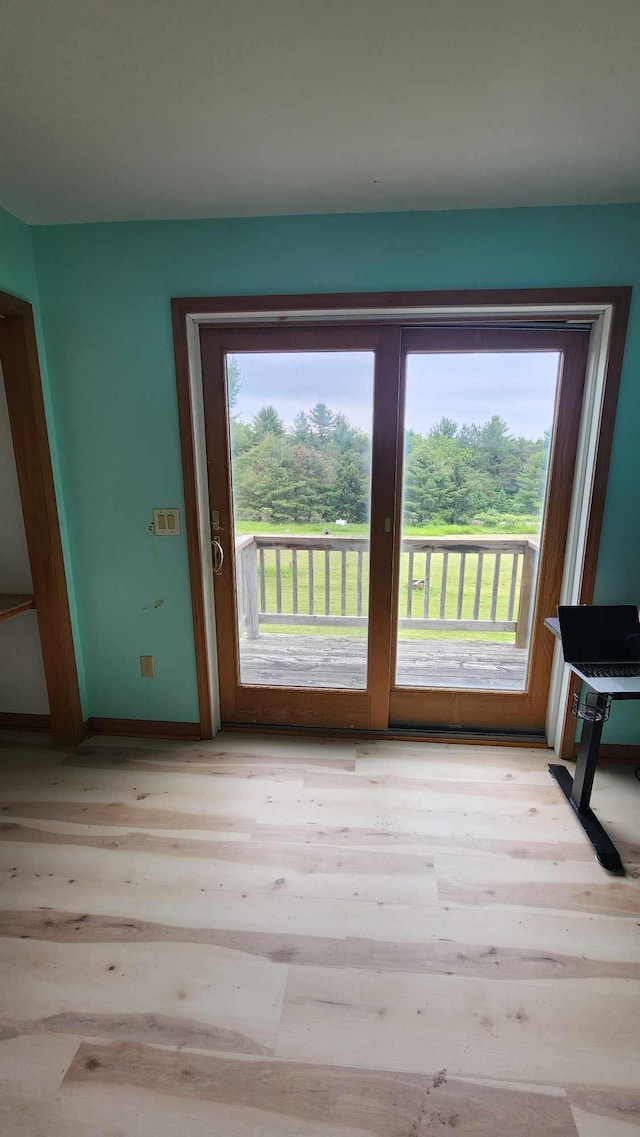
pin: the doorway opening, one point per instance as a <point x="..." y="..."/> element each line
<point x="20" y="371"/>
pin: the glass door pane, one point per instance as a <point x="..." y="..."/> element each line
<point x="300" y="443"/>
<point x="476" y="459"/>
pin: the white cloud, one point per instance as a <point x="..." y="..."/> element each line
<point x="469" y="387"/>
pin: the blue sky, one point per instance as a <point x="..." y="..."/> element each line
<point x="470" y="387"/>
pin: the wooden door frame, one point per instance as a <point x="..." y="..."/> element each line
<point x="360" y="708"/>
<point x="23" y="385"/>
<point x="485" y="306"/>
<point x="487" y="707"/>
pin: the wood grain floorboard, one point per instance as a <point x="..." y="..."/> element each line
<point x="479" y="961"/>
<point x="268" y="936"/>
<point x="515" y="1030"/>
<point x="118" y="813"/>
<point x="211" y="762"/>
<point x="155" y="779"/>
<point x="92" y="836"/>
<point x="490" y="881"/>
<point x="430" y="953"/>
<point x="165" y="1030"/>
<point x="297" y="857"/>
<point x="593" y="1125"/>
<point x="356" y="1100"/>
<point x="182" y="905"/>
<point x="454" y="762"/>
<point x="267" y="745"/>
<point x="507" y="943"/>
<point x="238" y="795"/>
<point x="601" y="1110"/>
<point x="400" y="790"/>
<point x="456" y="798"/>
<point x="528" y="824"/>
<point x="33" y="1103"/>
<point x="271" y="745"/>
<point x="363" y="837"/>
<point x="164" y="989"/>
<point x="380" y="876"/>
<point x="195" y="768"/>
<point x="78" y="927"/>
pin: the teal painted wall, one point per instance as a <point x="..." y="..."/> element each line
<point x="18" y="276"/>
<point x="105" y="293"/>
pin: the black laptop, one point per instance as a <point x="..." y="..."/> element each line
<point x="601" y="641"/>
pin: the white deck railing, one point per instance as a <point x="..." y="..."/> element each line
<point x="446" y="583"/>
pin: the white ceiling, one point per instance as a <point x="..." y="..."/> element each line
<point x="132" y="109"/>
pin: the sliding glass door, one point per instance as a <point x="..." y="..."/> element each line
<point x="388" y="509"/>
<point x="300" y="432"/>
<point x="489" y="426"/>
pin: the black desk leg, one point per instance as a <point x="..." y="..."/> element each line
<point x="587" y="759"/>
<point x="577" y="790"/>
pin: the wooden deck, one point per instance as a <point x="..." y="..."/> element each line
<point x="340" y="661"/>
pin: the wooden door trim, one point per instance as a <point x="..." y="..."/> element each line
<point x="383" y="549"/>
<point x="562" y="471"/>
<point x="621" y="303"/>
<point x="212" y="351"/>
<point x="23" y="385"/>
<point x="529" y="301"/>
<point x="478" y="339"/>
<point x="353" y="336"/>
<point x="474" y="298"/>
<point x="192" y="526"/>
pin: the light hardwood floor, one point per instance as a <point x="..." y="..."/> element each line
<point x="271" y="937"/>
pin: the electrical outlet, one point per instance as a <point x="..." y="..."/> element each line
<point x="147" y="668"/>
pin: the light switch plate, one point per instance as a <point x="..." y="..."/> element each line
<point x="166" y="522"/>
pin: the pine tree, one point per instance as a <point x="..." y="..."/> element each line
<point x="267" y="421"/>
<point x="350" y="494"/>
<point x="301" y="429"/>
<point x="321" y="421"/>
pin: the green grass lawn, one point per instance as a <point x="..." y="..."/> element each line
<point x="521" y="525"/>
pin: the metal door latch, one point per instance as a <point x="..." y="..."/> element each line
<point x="218" y="556"/>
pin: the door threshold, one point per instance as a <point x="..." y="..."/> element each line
<point x="446" y="735"/>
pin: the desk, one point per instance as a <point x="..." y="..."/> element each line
<point x="577" y="790"/>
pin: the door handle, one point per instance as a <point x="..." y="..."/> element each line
<point x="218" y="556"/>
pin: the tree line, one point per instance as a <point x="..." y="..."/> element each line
<point x="318" y="469"/>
